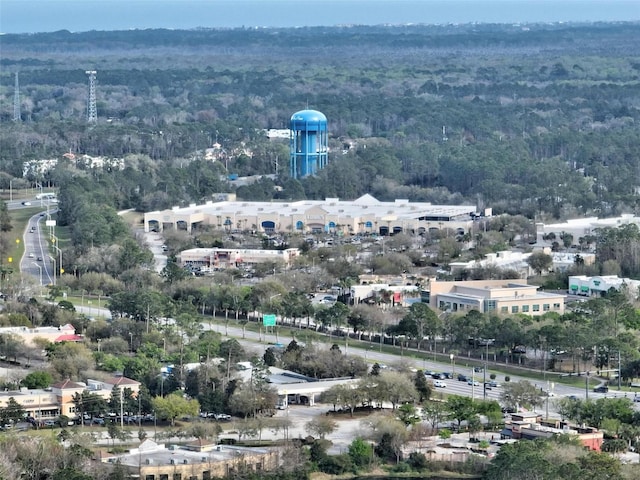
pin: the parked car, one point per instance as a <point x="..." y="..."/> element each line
<point x="439" y="384"/>
<point x="222" y="416"/>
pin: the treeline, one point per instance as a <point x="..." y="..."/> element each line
<point x="537" y="121"/>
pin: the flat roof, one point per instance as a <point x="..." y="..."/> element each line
<point x="24" y="393"/>
<point x="363" y="206"/>
<point x="169" y="455"/>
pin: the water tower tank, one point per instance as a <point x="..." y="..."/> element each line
<point x="308" y="143"/>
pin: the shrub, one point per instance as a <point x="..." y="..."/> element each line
<point x="417" y="461"/>
<point x="336" y="464"/>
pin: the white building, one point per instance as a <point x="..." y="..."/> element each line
<point x="598" y="285"/>
<point x="332" y="215"/>
<point x="582" y="227"/>
<point x="283" y="133"/>
<point x="517" y="261"/>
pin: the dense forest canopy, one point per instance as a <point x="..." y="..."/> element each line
<point x="535" y="119"/>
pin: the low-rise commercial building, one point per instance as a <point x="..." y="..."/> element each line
<point x="383" y="293"/>
<point x="200" y="460"/>
<point x="582" y="229"/>
<point x="531" y="427"/>
<point x="222" y="258"/>
<point x="63" y="333"/>
<point x="365" y="215"/>
<point x="57" y="399"/>
<point x="600" y="284"/>
<point x="494" y="296"/>
<point x="517" y="262"/>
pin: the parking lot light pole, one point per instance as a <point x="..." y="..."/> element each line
<point x="452" y="357"/>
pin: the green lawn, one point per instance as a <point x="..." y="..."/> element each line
<point x="19" y="220"/>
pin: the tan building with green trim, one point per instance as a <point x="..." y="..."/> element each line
<point x="494" y="296"/>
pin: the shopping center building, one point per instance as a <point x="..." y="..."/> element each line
<point x="366" y="215"/>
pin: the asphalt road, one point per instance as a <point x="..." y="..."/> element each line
<point x="36" y="260"/>
<point x="260" y="341"/>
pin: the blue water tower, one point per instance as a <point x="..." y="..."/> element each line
<point x="308" y="143"/>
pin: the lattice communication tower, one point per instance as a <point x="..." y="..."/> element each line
<point x="92" y="110"/>
<point x="17" y="116"/>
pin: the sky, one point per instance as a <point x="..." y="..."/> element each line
<point x="31" y="16"/>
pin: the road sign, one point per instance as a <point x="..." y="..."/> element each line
<point x="269" y="320"/>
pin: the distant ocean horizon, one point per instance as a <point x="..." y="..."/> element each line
<point x="32" y="16"/>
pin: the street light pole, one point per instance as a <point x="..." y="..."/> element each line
<point x="271" y="308"/>
<point x="40" y="269"/>
<point x="473" y="384"/>
<point x="619" y="373"/>
<point x="41" y="199"/>
<point x="54" y="269"/>
<point x="586" y="386"/>
<point x="452" y="357"/>
<point x="484" y="375"/>
<point x="55" y="245"/>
